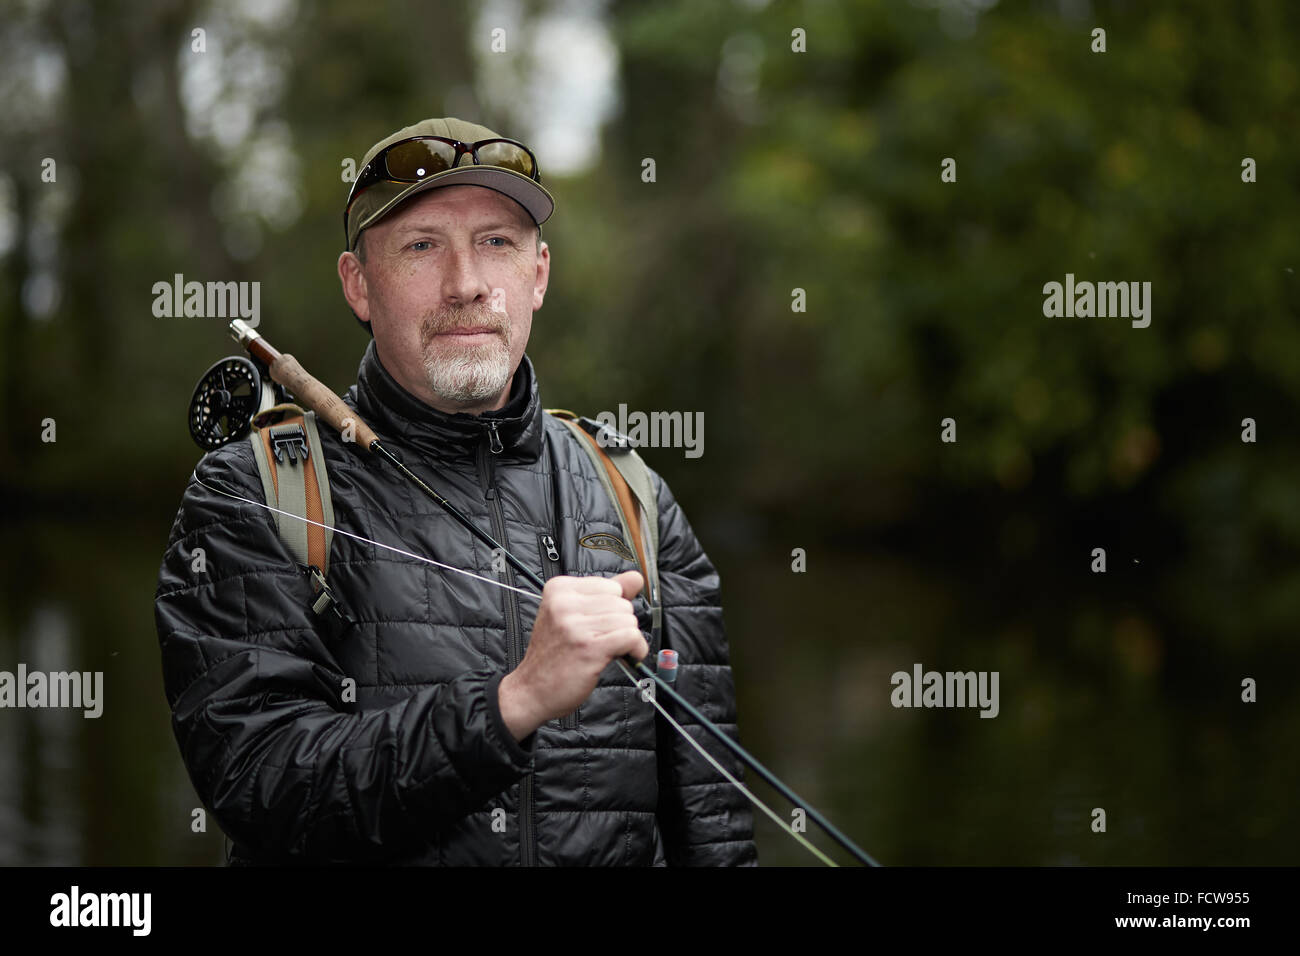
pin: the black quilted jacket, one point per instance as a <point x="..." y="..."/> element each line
<point x="420" y="768"/>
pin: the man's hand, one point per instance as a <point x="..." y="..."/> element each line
<point x="583" y="624"/>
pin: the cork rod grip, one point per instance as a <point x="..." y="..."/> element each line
<point x="311" y="394"/>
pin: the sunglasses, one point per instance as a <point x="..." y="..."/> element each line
<point x="412" y="160"/>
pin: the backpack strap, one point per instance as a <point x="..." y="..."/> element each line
<point x="626" y="478"/>
<point x="295" y="481"/>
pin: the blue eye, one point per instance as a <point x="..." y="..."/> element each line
<point x="499" y="239"/>
<point x="421" y="242"/>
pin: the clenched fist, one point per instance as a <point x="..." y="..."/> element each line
<point x="582" y="625"/>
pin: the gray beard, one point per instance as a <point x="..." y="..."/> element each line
<point x="471" y="374"/>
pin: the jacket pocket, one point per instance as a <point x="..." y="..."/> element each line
<point x="550" y="568"/>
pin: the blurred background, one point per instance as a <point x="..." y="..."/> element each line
<point x="776" y="170"/>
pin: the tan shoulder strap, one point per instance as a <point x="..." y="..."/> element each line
<point x="294" y="479"/>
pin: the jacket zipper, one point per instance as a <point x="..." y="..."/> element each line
<point x="514" y="642"/>
<point x="552" y="554"/>
<point x="551" y="563"/>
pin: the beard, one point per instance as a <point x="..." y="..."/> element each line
<point x="464" y="372"/>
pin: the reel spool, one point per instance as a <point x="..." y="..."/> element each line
<point x="226" y="400"/>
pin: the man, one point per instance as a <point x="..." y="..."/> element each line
<point x="445" y="720"/>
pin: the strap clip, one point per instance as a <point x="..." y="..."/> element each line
<point x="607" y="437"/>
<point x="286" y="437"/>
<point x="325" y="599"/>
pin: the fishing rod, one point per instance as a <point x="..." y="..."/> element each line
<point x="286" y="371"/>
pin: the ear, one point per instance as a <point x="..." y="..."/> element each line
<point x="352" y="276"/>
<point x="543" y="276"/>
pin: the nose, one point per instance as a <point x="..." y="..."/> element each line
<point x="463" y="281"/>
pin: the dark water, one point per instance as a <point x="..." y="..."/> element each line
<point x="1158" y="737"/>
<point x="106" y="790"/>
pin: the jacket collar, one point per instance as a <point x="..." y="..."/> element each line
<point x="395" y="413"/>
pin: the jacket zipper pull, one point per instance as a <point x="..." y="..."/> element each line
<point x="549" y="543"/>
<point x="495" y="445"/>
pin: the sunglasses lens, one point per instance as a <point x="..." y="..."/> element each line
<point x="508" y="155"/>
<point x="413" y="161"/>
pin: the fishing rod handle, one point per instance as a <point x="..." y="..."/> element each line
<point x="313" y="394"/>
<point x="306" y="388"/>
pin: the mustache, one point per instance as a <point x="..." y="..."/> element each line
<point x="451" y="320"/>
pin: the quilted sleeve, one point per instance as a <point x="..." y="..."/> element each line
<point x="276" y="750"/>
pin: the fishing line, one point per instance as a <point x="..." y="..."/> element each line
<point x="377" y="544"/>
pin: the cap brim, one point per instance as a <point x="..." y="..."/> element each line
<point x="527" y="192"/>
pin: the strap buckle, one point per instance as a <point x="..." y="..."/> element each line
<point x="606" y="436"/>
<point x="286" y="438"/>
<point x="325" y="599"/>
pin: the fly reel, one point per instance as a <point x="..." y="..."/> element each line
<point x="227" y="398"/>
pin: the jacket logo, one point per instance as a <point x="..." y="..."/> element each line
<point x="608" y="542"/>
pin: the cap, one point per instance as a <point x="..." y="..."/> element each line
<point x="383" y="197"/>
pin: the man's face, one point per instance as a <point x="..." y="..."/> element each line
<point x="449" y="287"/>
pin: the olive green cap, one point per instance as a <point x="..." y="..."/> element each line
<point x="380" y="199"/>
